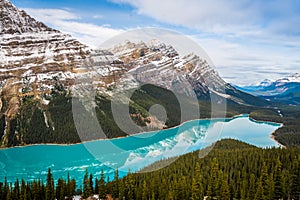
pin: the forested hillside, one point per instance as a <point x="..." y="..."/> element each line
<point x="54" y="123"/>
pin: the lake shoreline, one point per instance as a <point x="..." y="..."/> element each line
<point x="272" y="136"/>
<point x="147" y="132"/>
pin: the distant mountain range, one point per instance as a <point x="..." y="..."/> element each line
<point x="39" y="66"/>
<point x="284" y="90"/>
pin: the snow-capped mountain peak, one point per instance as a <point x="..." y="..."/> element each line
<point x="15" y="21"/>
<point x="265" y="83"/>
<point x="284" y="89"/>
<point x="30" y="48"/>
<point x="292" y="78"/>
<point x="33" y="57"/>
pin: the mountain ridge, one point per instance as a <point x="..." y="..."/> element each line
<point x="11" y="17"/>
<point x="283" y="90"/>
<point x="42" y="68"/>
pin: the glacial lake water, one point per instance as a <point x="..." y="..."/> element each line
<point x="133" y="152"/>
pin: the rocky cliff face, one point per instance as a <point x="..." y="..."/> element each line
<point x="159" y="64"/>
<point x="33" y="58"/>
<point x="32" y="52"/>
<point x="15" y="21"/>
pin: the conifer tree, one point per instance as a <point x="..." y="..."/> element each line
<point x="102" y="184"/>
<point x="116" y="184"/>
<point x="252" y="187"/>
<point x="265" y="180"/>
<point x="171" y="194"/>
<point x="5" y="188"/>
<point x="91" y="182"/>
<point x="68" y="187"/>
<point x="295" y="179"/>
<point x="153" y="196"/>
<point x="72" y="187"/>
<point x="23" y="194"/>
<point x="122" y="188"/>
<point x="197" y="186"/>
<point x="144" y="191"/>
<point x="8" y="196"/>
<point x="37" y="192"/>
<point x="87" y="190"/>
<point x="96" y="186"/>
<point x="224" y="190"/>
<point x="50" y="186"/>
<point x="16" y="190"/>
<point x="278" y="192"/>
<point x="213" y="185"/>
<point x="259" y="195"/>
<point x="271" y="186"/>
<point x="129" y="185"/>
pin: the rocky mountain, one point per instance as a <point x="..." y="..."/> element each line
<point x="255" y="87"/>
<point x="156" y="63"/>
<point x="284" y="90"/>
<point x="293" y="78"/>
<point x="33" y="56"/>
<point x="42" y="70"/>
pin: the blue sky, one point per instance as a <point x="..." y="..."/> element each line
<point x="248" y="40"/>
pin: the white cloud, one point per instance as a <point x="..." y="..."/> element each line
<point x="245" y="64"/>
<point x="243" y="17"/>
<point x="97" y="16"/>
<point x="68" y="22"/>
<point x="208" y="16"/>
<point x="46" y="15"/>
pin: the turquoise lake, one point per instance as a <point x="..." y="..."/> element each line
<point x="133" y="152"/>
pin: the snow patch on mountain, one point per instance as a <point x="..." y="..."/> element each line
<point x="282" y="86"/>
<point x="293" y="78"/>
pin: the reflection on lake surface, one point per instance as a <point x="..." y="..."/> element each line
<point x="134" y="152"/>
